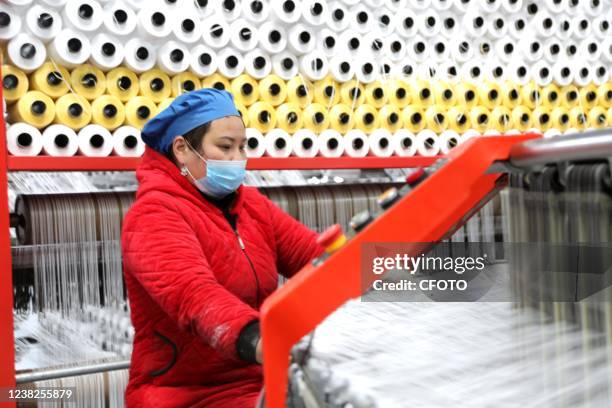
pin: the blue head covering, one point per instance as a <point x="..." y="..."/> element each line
<point x="185" y="113"/>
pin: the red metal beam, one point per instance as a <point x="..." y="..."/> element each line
<point x="425" y="215"/>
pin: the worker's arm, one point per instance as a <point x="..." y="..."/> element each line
<point x="161" y="250"/>
<point x="296" y="244"/>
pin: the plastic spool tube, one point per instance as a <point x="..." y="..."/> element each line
<point x="588" y="97"/>
<point x="497" y="26"/>
<point x="155" y="85"/>
<point x="458" y="119"/>
<point x="607" y="50"/>
<point x="337" y="17"/>
<point x="326" y="92"/>
<point x="517" y="27"/>
<point x="245" y="90"/>
<point x="406" y="23"/>
<point x="140" y="55"/>
<point x="360" y="18"/>
<point x="108" y="111"/>
<point x="490" y="6"/>
<point x="559" y="118"/>
<point x="480" y="118"/>
<point x="138" y="111"/>
<point x="563" y="74"/>
<point x="472" y="71"/>
<point x="419" y="4"/>
<point x="583" y="75"/>
<point x="327" y="41"/>
<point x="127" y="142"/>
<point x="60" y="140"/>
<point x="444" y="94"/>
<point x="257" y="64"/>
<point x="578" y="118"/>
<point x="495" y="72"/>
<point x="474" y="24"/>
<point x="285" y="65"/>
<point x="570" y="96"/>
<point x="604" y="95"/>
<point x="590" y="49"/>
<point x="427" y="70"/>
<point x="395" y="5"/>
<point x="95" y="141"/>
<point x="10" y="22"/>
<point x="304" y="143"/>
<point x="243" y="35"/>
<point x="461" y="50"/>
<point x="595" y="8"/>
<point x="341" y="118"/>
<point x="396" y="49"/>
<point x="541" y="117"/>
<point x="521" y="118"/>
<point x="300" y="92"/>
<point x="600" y="74"/>
<point x="204" y="8"/>
<point x="355" y="143"/>
<point x="601" y="27"/>
<point x="107" y="53"/>
<point x="287" y="11"/>
<point x="440" y="50"/>
<point x="519" y="73"/>
<point x="72" y="110"/>
<point x="404" y="143"/>
<point x="69" y="49"/>
<point x="376" y="95"/>
<point x="34" y="108"/>
<point x="342" y="68"/>
<point x="14" y="83"/>
<point x="373" y="43"/>
<point x="381" y="143"/>
<point x="543" y="73"/>
<point x="154" y="23"/>
<point x="50" y="79"/>
<point x="427" y="143"/>
<point x="544" y="25"/>
<point x="232" y="63"/>
<point x="450" y="25"/>
<point x="186" y="28"/>
<point x="413" y="118"/>
<point x="203" y="61"/>
<point x="215" y="32"/>
<point x="581" y="27"/>
<point x="532" y="50"/>
<point x="26" y="52"/>
<point x="389" y="118"/>
<point x="184" y="82"/>
<point x="173" y="58"/>
<point x="467" y="94"/>
<point x="119" y="19"/>
<point x="512" y="6"/>
<point x="366" y="118"/>
<point x="383" y="20"/>
<point x="565" y="28"/>
<point x="256" y="11"/>
<point x="315" y="117"/>
<point x="429" y="24"/>
<point x="43" y="22"/>
<point x="314" y="65"/>
<point x="272" y="38"/>
<point x="531" y="95"/>
<point x="314" y="12"/>
<point x="464" y="5"/>
<point x="216" y="81"/>
<point x="273" y="90"/>
<point x="289" y="117"/>
<point x="598" y="117"/>
<point x="448" y="140"/>
<point x="555" y="6"/>
<point x="122" y="83"/>
<point x="352" y="93"/>
<point x="255" y="146"/>
<point x="350" y="42"/>
<point x="551" y="95"/>
<point x="86" y="16"/>
<point x="399" y="93"/>
<point x="367" y="70"/>
<point x="56" y="4"/>
<point x="88" y="81"/>
<point x="330" y="143"/>
<point x="23" y="140"/>
<point x="277" y="143"/>
<point x="435" y="118"/>
<point x="229" y="10"/>
<point x="447" y="71"/>
<point x="301" y="40"/>
<point x="262" y="116"/>
<point x="552" y="50"/>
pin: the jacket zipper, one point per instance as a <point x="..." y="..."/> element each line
<point x="243" y="248"/>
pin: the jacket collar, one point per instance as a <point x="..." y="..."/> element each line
<point x="157" y="173"/>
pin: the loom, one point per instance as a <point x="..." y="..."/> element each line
<point x="534" y="348"/>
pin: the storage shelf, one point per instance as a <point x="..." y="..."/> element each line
<point x="81" y="163"/>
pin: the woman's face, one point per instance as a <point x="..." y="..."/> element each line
<point x="225" y="140"/>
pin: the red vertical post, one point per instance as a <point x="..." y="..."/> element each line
<point x="7" y="351"/>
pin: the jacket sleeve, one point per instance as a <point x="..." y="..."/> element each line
<point x="161" y="250"/>
<point x="296" y="244"/>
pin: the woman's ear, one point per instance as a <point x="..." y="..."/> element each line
<point x="180" y="150"/>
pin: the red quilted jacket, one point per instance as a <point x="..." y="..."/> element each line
<point x="192" y="288"/>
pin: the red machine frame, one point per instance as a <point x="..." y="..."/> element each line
<point x="439" y="204"/>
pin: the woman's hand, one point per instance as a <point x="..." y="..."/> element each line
<point x="259" y="351"/>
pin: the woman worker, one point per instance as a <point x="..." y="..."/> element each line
<point x="201" y="253"/>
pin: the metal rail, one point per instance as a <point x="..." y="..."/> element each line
<point x="590" y="145"/>
<point x="52" y="374"/>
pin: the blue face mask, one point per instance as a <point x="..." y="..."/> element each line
<point x="222" y="176"/>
